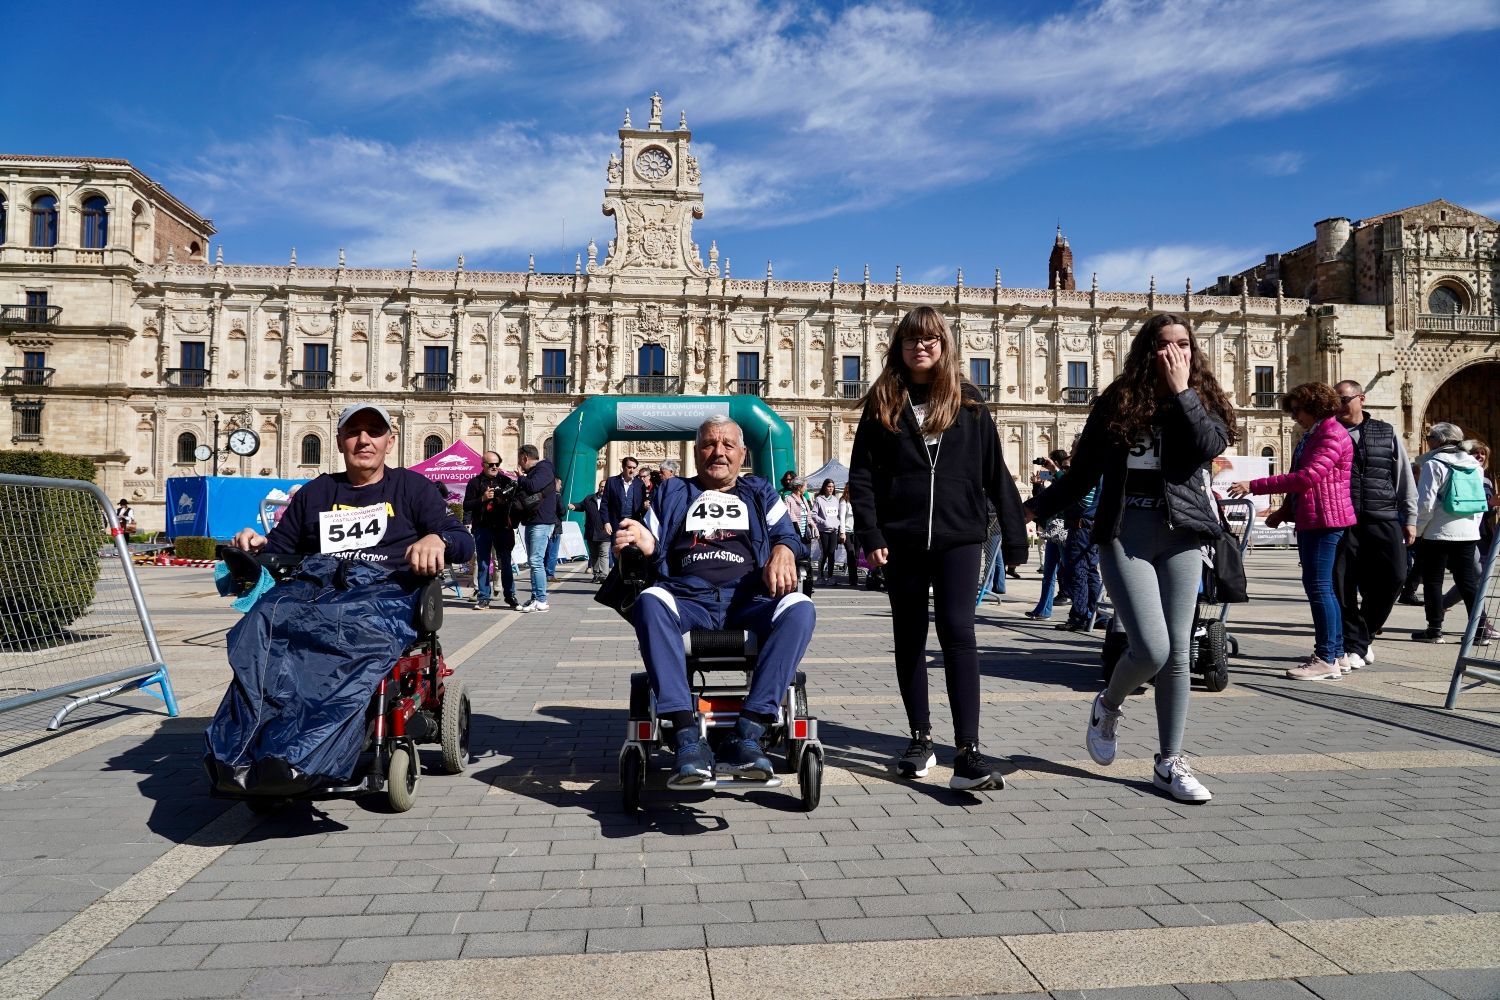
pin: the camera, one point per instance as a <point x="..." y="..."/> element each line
<point x="1038" y="461"/>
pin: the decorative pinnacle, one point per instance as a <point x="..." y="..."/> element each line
<point x="1094" y="282"/>
<point x="1153" y="284"/>
<point x="898" y="274"/>
<point x="414" y="260"/>
<point x="835" y="275"/>
<point x="460" y="263"/>
<point x="627" y="119"/>
<point x="768" y="270"/>
<point x="578" y="264"/>
<point x="293" y="261"/>
<point x="726" y="268"/>
<point x="867" y="274"/>
<point x="171" y="253"/>
<point x="341" y="256"/>
<point x="1189" y="286"/>
<point x="531" y="263"/>
<point x="682" y="121"/>
<point x="997" y="278"/>
<point x="219" y="255"/>
<point x="960" y="276"/>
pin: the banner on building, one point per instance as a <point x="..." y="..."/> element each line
<point x="667" y="417"/>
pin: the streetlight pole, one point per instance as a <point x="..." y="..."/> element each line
<point x="216" y="442"/>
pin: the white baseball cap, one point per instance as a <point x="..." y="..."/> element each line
<point x="353" y="408"/>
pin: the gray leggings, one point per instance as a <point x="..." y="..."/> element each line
<point x="1153" y="574"/>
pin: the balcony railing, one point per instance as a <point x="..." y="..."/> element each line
<point x="434" y="382"/>
<point x="1076" y="394"/>
<point x="313" y="378"/>
<point x="1264" y="400"/>
<point x="187" y="378"/>
<point x="748" y="387"/>
<point x="29" y="376"/>
<point x="654" y="385"/>
<point x="29" y="315"/>
<point x="556" y="385"/>
<point x="846" y="389"/>
<point x="1451" y="323"/>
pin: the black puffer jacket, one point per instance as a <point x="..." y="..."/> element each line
<point x="901" y="497"/>
<point x="1192" y="438"/>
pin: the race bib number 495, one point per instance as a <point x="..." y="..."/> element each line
<point x="345" y="530"/>
<point x="713" y="511"/>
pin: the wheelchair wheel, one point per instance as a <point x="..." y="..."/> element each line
<point x="795" y="749"/>
<point x="810" y="779"/>
<point x="632" y="780"/>
<point x="1213" y="657"/>
<point x="401" y="779"/>
<point x="454" y="727"/>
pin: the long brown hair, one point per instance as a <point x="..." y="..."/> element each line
<point x="1131" y="399"/>
<point x="945" y="390"/>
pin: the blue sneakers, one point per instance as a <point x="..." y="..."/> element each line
<point x="693" y="766"/>
<point x="745" y="757"/>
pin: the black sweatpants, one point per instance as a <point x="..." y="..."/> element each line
<point x="953" y="575"/>
<point x="1434" y="560"/>
<point x="1368" y="574"/>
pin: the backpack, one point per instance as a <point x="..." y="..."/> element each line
<point x="1464" y="495"/>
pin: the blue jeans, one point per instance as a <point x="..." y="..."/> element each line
<point x="783" y="627"/>
<point x="537" y="537"/>
<point x="485" y="543"/>
<point x="1318" y="549"/>
<point x="1051" y="554"/>
<point x="553" y="544"/>
<point x="1080" y="571"/>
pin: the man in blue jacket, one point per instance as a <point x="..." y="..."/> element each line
<point x="539" y="482"/>
<point x="624" y="495"/>
<point x="725" y="554"/>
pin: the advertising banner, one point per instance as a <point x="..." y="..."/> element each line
<point x="1243" y="468"/>
<point x="219" y="506"/>
<point x="671" y="416"/>
<point x="455" y="465"/>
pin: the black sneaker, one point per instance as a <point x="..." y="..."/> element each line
<point x="510" y="600"/>
<point x="745" y="756"/>
<point x="1410" y="600"/>
<point x="1072" y="625"/>
<point x="1428" y="635"/>
<point x="973" y="772"/>
<point x="483" y="604"/>
<point x="1061" y="599"/>
<point x="918" y="757"/>
<point x="693" y="765"/>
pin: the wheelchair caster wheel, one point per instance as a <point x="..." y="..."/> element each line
<point x="401" y="779"/>
<point x="810" y="779"/>
<point x="632" y="781"/>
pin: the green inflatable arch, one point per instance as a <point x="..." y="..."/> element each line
<point x="602" y="419"/>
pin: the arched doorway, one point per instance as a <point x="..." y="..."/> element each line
<point x="1469" y="399"/>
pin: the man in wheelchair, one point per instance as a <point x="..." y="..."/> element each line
<point x="725" y="553"/>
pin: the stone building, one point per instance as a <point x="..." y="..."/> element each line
<point x="1406" y="299"/>
<point x="125" y="342"/>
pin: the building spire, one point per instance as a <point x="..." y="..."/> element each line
<point x="1060" y="264"/>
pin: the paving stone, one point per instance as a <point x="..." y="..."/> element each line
<point x="564" y="942"/>
<point x="195" y="985"/>
<point x="763" y="932"/>
<point x="342" y="981"/>
<point x="584" y="918"/>
<point x="418" y="948"/>
<point x="385" y="925"/>
<point x="1374" y="986"/>
<point x="1284" y="989"/>
<point x="159" y="958"/>
<point x="1466" y="984"/>
<point x="877" y="928"/>
<point x="265" y="954"/>
<point x="227" y="931"/>
<point x="650" y="938"/>
<point x="1116" y="918"/>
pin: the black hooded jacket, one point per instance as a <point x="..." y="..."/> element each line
<point x="903" y="497"/>
<point x="1192" y="437"/>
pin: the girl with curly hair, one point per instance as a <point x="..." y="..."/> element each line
<point x="1147" y="446"/>
<point x="1321" y="468"/>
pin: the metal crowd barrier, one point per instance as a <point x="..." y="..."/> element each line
<point x="1480" y="660"/>
<point x="74" y="628"/>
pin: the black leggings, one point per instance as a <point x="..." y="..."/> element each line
<point x="828" y="542"/>
<point x="954" y="577"/>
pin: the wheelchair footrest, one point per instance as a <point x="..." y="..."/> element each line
<point x="727" y="782"/>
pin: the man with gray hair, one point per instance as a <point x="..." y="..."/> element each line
<point x="670" y="469"/>
<point x="725" y="555"/>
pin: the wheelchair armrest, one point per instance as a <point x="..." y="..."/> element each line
<point x="244" y="567"/>
<point x="428" y="616"/>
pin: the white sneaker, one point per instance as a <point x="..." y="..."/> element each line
<point x="1314" y="669"/>
<point x="1103" y="724"/>
<point x="535" y="605"/>
<point x="1173" y="776"/>
<point x="1370" y="654"/>
<point x="1352" y="661"/>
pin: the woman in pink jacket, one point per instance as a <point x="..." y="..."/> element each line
<point x="1320" y="479"/>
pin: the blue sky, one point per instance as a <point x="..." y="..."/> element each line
<point x="1183" y="138"/>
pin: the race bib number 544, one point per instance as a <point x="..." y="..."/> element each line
<point x="345" y="530"/>
<point x="714" y="511"/>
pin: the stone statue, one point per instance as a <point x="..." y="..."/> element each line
<point x="616" y="169"/>
<point x="601" y="355"/>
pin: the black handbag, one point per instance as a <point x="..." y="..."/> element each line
<point x="631" y="574"/>
<point x="1225" y="583"/>
<point x="523" y="506"/>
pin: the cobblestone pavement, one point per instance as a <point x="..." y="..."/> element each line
<point x="1348" y="851"/>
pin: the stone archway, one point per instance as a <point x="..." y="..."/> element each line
<point x="1469" y="398"/>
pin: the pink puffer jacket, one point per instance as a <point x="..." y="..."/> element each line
<point x="1320" y="480"/>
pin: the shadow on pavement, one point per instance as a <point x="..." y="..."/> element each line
<point x="1429" y="721"/>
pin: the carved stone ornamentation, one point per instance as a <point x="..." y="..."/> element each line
<point x="191" y="323"/>
<point x="314" y="324"/>
<point x="1076" y="343"/>
<point x="849" y="337"/>
<point x="1262" y="348"/>
<point x="747" y="335"/>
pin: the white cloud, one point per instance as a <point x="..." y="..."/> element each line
<point x="1283" y="164"/>
<point x="1131" y="269"/>
<point x="1490" y="208"/>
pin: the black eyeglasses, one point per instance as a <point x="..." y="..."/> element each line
<point x="492" y="465"/>
<point x="1346" y="400"/>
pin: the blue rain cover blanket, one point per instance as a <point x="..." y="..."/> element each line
<point x="307" y="659"/>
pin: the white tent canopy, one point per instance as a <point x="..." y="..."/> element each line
<point x="835" y="470"/>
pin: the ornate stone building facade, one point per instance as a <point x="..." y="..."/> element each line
<point x="128" y="351"/>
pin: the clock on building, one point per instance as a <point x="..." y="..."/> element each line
<point x="653" y="163"/>
<point x="244" y="442"/>
<point x="203" y="453"/>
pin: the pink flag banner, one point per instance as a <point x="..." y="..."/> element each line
<point x="455" y="465"/>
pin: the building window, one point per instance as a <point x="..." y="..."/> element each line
<point x="95" y="223"/>
<point x="187" y="443"/>
<point x="1445" y="300"/>
<point x="850" y="386"/>
<point x="431" y="447"/>
<point x="193" y="364"/>
<point x="28" y="419"/>
<point x="1265" y="387"/>
<point x="435" y="374"/>
<point x="1078" y="389"/>
<point x="34" y="368"/>
<point x="36" y="307"/>
<point x="979" y="372"/>
<point x="312" y="450"/>
<point x="1270" y="455"/>
<point x="651" y="359"/>
<point x="2" y="218"/>
<point x="44" y="221"/>
<point x="314" y="374"/>
<point x="554" y="370"/>
<point x="747" y="373"/>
